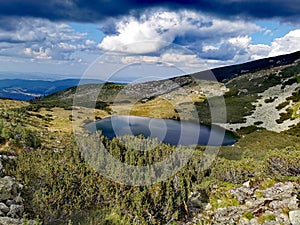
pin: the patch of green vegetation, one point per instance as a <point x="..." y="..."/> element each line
<point x="258" y="194"/>
<point x="249" y="129"/>
<point x="61" y="186"/>
<point x="284" y="162"/>
<point x="286" y="211"/>
<point x="233" y="171"/>
<point x="294" y="130"/>
<point x="285" y="115"/>
<point x="265" y="218"/>
<point x="248" y="215"/>
<point x="282" y="105"/>
<point x="295" y="96"/>
<point x="266" y="183"/>
<point x="257" y="144"/>
<point x="12" y="131"/>
<point x="220" y="198"/>
<point x="257" y="123"/>
<point x="270" y="100"/>
<point x="237" y="107"/>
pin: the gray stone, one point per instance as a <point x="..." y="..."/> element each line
<point x="284" y="219"/>
<point x="4" y="208"/>
<point x="9" y="221"/>
<point x="293" y="203"/>
<point x="295" y="217"/>
<point x="242" y="193"/>
<point x="280" y="191"/>
<point x="18" y="199"/>
<point x="10" y="202"/>
<point x="8" y="188"/>
<point x="1" y="168"/>
<point x="279" y="204"/>
<point x="16" y="211"/>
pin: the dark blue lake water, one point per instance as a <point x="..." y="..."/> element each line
<point x="168" y="131"/>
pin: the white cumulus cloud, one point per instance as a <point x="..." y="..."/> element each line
<point x="157" y="29"/>
<point x="287" y="44"/>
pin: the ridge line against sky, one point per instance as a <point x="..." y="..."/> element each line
<point x="65" y="37"/>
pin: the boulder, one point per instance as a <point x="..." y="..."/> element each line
<point x="9" y="221"/>
<point x="4" y="208"/>
<point x="295" y="217"/>
<point x="16" y="211"/>
<point x="9" y="188"/>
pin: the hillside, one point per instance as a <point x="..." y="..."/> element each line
<point x="19" y="89"/>
<point x="254" y="181"/>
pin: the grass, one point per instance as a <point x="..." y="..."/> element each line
<point x="264" y="218"/>
<point x="158" y="108"/>
<point x="6" y="104"/>
<point x="256" y="144"/>
<point x="248" y="215"/>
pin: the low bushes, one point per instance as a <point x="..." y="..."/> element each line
<point x="285" y="162"/>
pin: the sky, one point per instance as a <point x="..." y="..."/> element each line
<point x="130" y="40"/>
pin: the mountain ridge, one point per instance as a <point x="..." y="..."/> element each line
<point x="20" y="89"/>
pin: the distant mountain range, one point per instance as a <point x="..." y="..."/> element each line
<point x="25" y="90"/>
<point x="22" y="89"/>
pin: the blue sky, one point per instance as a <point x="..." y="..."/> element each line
<point x="62" y="39"/>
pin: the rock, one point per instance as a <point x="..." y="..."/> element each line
<point x="16" y="211"/>
<point x="10" y="202"/>
<point x="9" y="221"/>
<point x="18" y="199"/>
<point x="276" y="204"/>
<point x="293" y="203"/>
<point x="271" y="203"/>
<point x="1" y="168"/>
<point x="198" y="199"/>
<point x="8" y="188"/>
<point x="247" y="184"/>
<point x="280" y="191"/>
<point x="295" y="217"/>
<point x="242" y="193"/>
<point x="4" y="208"/>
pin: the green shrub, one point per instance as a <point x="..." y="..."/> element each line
<point x="61" y="186"/>
<point x="284" y="162"/>
<point x="232" y="171"/>
<point x="248" y="215"/>
<point x="56" y="184"/>
<point x="282" y="105"/>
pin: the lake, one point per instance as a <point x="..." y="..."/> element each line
<point x="166" y="130"/>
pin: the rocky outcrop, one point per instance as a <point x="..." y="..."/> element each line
<point x="278" y="204"/>
<point x="156" y="88"/>
<point x="11" y="202"/>
<point x="295" y="217"/>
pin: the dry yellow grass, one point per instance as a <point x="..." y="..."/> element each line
<point x="10" y="104"/>
<point x="61" y="118"/>
<point x="158" y="108"/>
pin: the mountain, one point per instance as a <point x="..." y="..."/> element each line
<point x="254" y="181"/>
<point x="228" y="72"/>
<point x="25" y="90"/>
<point x="22" y="89"/>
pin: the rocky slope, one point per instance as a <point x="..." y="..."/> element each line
<point x="253" y="205"/>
